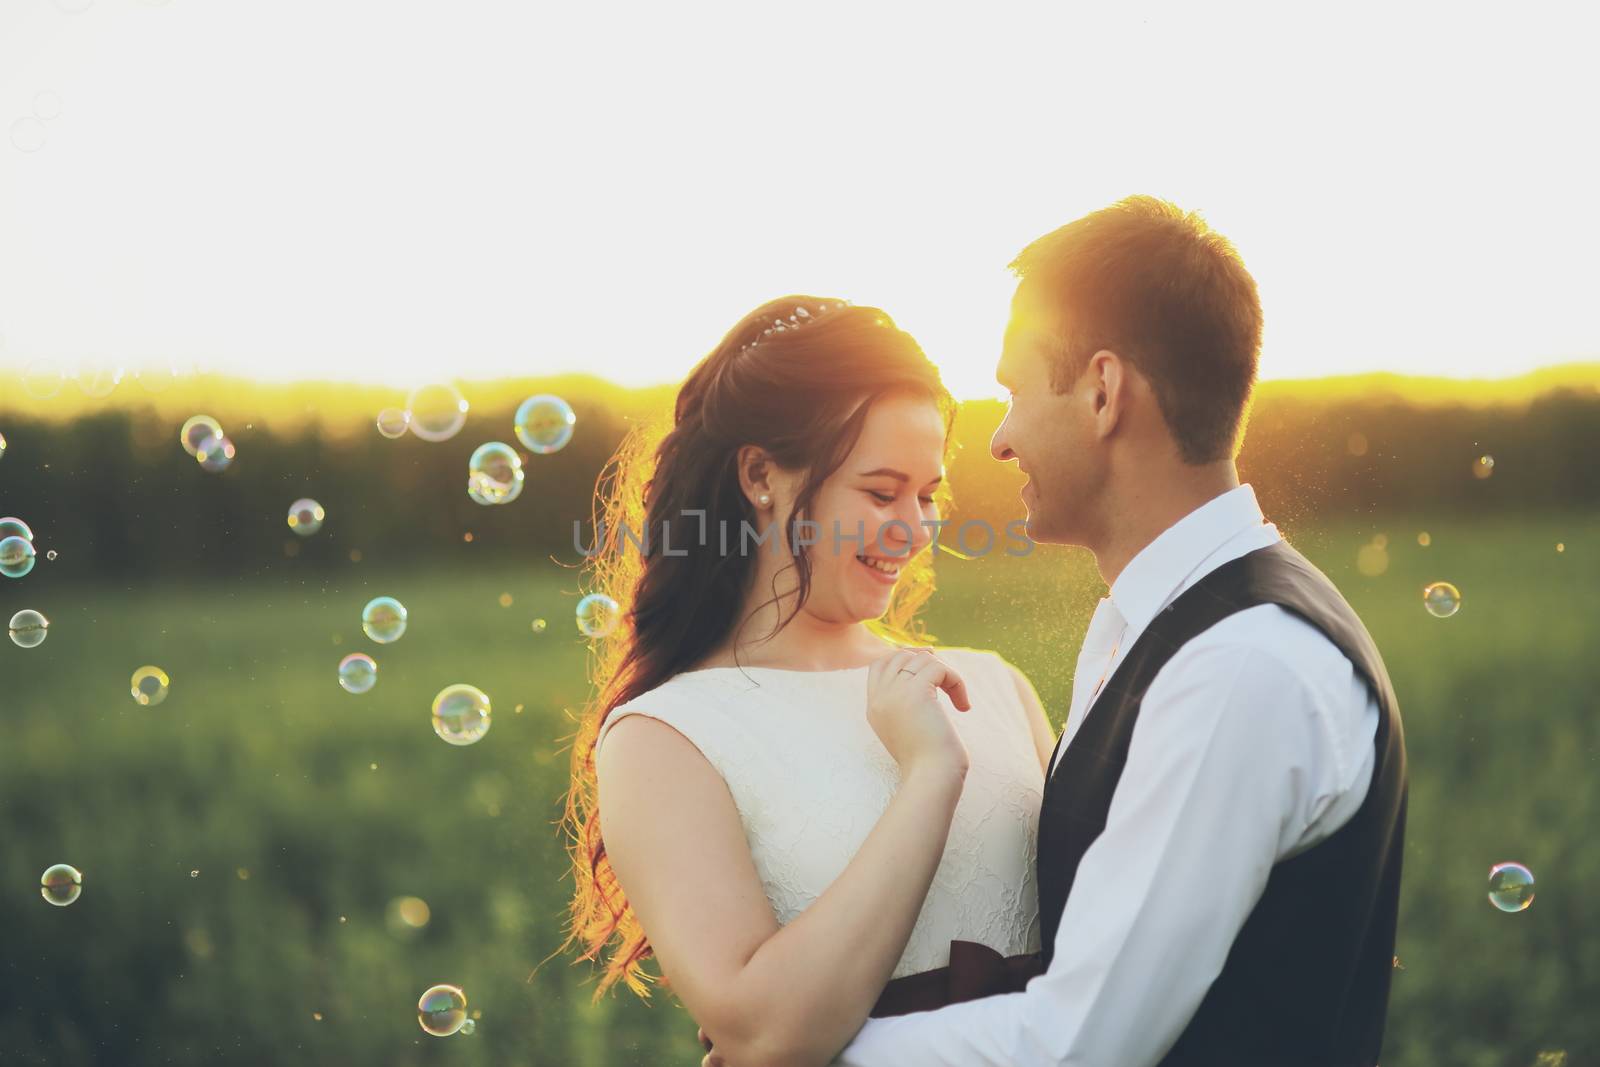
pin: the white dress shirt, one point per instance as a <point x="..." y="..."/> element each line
<point x="1254" y="742"/>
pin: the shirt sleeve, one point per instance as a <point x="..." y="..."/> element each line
<point x="1197" y="822"/>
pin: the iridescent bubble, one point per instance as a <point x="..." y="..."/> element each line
<point x="469" y="1028"/>
<point x="27" y="134"/>
<point x="1482" y="467"/>
<point x="2" y="446"/>
<point x="461" y="714"/>
<point x="10" y="526"/>
<point x="597" y="615"/>
<point x="98" y="378"/>
<point x="392" y="422"/>
<point x="544" y="423"/>
<point x="1510" y="886"/>
<point x="358" y="672"/>
<point x="46" y="104"/>
<point x="494" y="474"/>
<point x="437" y="412"/>
<point x="16" y="557"/>
<point x="442" y="1010"/>
<point x="305" y="516"/>
<point x="29" y="628"/>
<point x="1441" y="599"/>
<point x="51" y="555"/>
<point x="61" y="884"/>
<point x="43" y="380"/>
<point x="539" y="626"/>
<point x="215" y="453"/>
<point x="150" y="685"/>
<point x="384" y="619"/>
<point x="195" y="431"/>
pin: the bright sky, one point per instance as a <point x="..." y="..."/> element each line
<point x="387" y="191"/>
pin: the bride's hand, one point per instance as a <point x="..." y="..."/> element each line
<point x="904" y="711"/>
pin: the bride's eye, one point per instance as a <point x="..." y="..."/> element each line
<point x="882" y="498"/>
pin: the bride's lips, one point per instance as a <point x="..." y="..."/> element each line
<point x="881" y="577"/>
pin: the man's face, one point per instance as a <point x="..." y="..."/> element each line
<point x="1049" y="434"/>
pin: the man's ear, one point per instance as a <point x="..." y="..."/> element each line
<point x="1110" y="389"/>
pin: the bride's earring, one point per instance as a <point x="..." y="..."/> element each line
<point x="765" y="500"/>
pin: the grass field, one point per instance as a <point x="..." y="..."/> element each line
<point x="306" y="810"/>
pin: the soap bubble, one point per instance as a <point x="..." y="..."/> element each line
<point x="51" y="555"/>
<point x="16" y="557"/>
<point x="461" y="714"/>
<point x="539" y="626"/>
<point x="469" y="1028"/>
<point x="98" y="379"/>
<point x="150" y="685"/>
<point x="442" y="1010"/>
<point x="494" y="474"/>
<point x="61" y="884"/>
<point x="305" y="516"/>
<point x="1441" y="599"/>
<point x="437" y="412"/>
<point x="29" y="628"/>
<point x="156" y="377"/>
<point x="2" y="445"/>
<point x="384" y="619"/>
<point x="1482" y="467"/>
<point x="46" y="104"/>
<point x="597" y="615"/>
<point x="392" y="422"/>
<point x="544" y="423"/>
<point x="11" y="526"/>
<point x="215" y="453"/>
<point x="195" y="431"/>
<point x="358" y="672"/>
<point x="27" y="134"/>
<point x="42" y="379"/>
<point x="1510" y="886"/>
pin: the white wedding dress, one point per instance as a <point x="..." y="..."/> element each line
<point x="810" y="780"/>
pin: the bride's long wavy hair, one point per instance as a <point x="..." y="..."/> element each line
<point x="802" y="393"/>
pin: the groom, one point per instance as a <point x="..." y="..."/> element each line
<point x="1221" y="834"/>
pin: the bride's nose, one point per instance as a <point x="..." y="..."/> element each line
<point x="904" y="535"/>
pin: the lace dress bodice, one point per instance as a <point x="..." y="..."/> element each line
<point x="810" y="779"/>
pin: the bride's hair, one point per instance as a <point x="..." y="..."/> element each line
<point x="796" y="376"/>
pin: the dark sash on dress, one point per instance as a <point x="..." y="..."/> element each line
<point x="975" y="971"/>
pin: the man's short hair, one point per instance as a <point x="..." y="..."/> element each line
<point x="1156" y="285"/>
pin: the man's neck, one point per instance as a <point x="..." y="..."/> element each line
<point x="1150" y="507"/>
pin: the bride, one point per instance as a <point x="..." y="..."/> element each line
<point x="761" y="799"/>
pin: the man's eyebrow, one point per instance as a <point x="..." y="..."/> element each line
<point x="899" y="476"/>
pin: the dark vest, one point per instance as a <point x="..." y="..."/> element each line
<point x="1307" y="980"/>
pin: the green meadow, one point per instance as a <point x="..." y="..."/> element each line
<point x="242" y="841"/>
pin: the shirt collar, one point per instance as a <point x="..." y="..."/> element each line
<point x="1155" y="573"/>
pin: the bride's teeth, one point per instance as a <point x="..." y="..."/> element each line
<point x="886" y="568"/>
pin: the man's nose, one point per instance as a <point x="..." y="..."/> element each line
<point x="999" y="448"/>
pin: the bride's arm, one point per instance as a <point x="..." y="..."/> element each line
<point x="768" y="995"/>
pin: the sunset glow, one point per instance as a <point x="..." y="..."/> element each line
<point x="388" y="193"/>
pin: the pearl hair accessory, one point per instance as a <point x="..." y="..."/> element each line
<point x="799" y="318"/>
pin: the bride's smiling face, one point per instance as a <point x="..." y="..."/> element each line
<point x="884" y="489"/>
